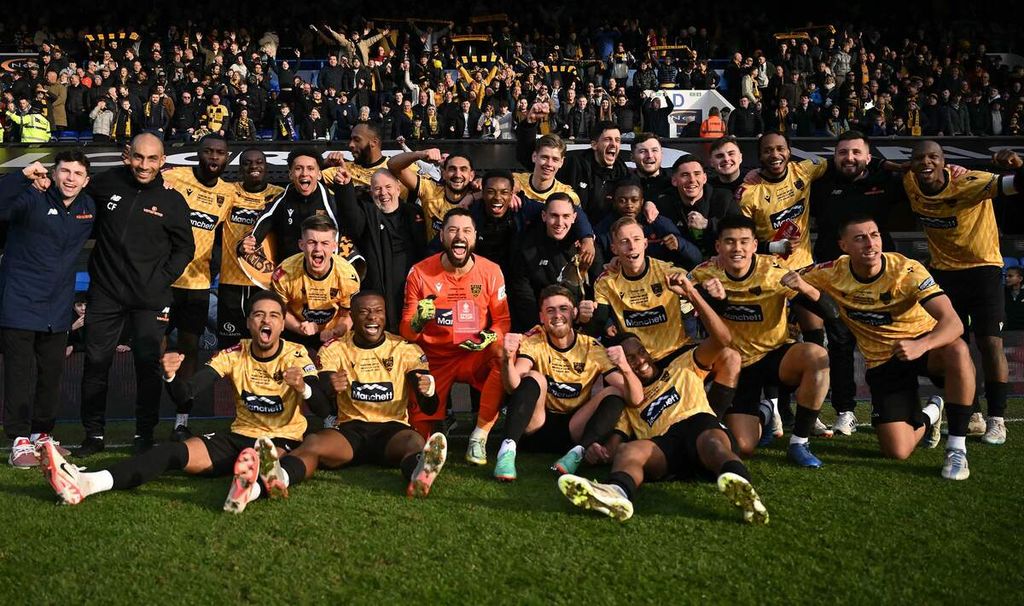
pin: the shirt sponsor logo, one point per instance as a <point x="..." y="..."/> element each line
<point x="641" y="319"/>
<point x="443" y="317"/>
<point x="659" y="405"/>
<point x="564" y="391"/>
<point x="244" y="216"/>
<point x="789" y="214"/>
<point x="202" y="220"/>
<point x="317" y="316"/>
<point x="743" y="313"/>
<point x="938" y="222"/>
<point x="373" y="392"/>
<point x="871" y="318"/>
<point x="268" y="405"/>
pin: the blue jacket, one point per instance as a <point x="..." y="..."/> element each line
<point x="44" y="238"/>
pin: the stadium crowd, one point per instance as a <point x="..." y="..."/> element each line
<point x="473" y="77"/>
<point x="663" y="321"/>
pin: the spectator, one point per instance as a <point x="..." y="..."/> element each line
<point x="712" y="127"/>
<point x="102" y="122"/>
<point x="314" y="127"/>
<point x="243" y="129"/>
<point x="284" y="125"/>
<point x="656" y="111"/>
<point x="745" y="121"/>
<point x="836" y="124"/>
<point x="186" y="118"/>
<point x="1014" y="299"/>
<point x="58" y="96"/>
<point x="805" y="118"/>
<point x="155" y="118"/>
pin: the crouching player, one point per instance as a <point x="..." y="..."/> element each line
<point x="906" y="327"/>
<point x="550" y="373"/>
<point x="271" y="377"/>
<point x="677" y="432"/>
<point x="373" y="375"/>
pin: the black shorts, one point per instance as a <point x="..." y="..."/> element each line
<point x="894" y="393"/>
<point x="679" y="444"/>
<point x="977" y="296"/>
<point x="755" y="377"/>
<point x="369" y="441"/>
<point x="552" y="437"/>
<point x="231" y="320"/>
<point x="189" y="310"/>
<point x="225" y="447"/>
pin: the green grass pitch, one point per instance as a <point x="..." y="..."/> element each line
<point x="861" y="530"/>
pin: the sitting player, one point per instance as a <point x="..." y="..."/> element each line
<point x="906" y="328"/>
<point x="676" y="431"/>
<point x="550" y="375"/>
<point x="316" y="285"/>
<point x="373" y="375"/>
<point x="756" y="291"/>
<point x="271" y="378"/>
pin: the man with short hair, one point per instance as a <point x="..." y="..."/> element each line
<point x="456" y="309"/>
<point x="695" y="207"/>
<point x="367" y="159"/>
<point x="144" y="242"/>
<point x="49" y="217"/>
<point x="271" y="378"/>
<point x="435" y="198"/>
<point x="906" y="327"/>
<point x="647" y="156"/>
<point x="726" y="160"/>
<point x="316" y="286"/>
<point x="209" y="201"/>
<point x="963" y="241"/>
<point x="550" y="373"/>
<point x="745" y="121"/>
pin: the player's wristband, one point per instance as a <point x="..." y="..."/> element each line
<point x="307" y="393"/>
<point x="777" y="248"/>
<point x="431" y="390"/>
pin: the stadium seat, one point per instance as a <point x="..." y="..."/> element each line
<point x="265" y="134"/>
<point x="68" y="136"/>
<point x="81" y="281"/>
<point x="1010" y="262"/>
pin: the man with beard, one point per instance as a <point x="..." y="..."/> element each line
<point x="304" y="197"/>
<point x="436" y="199"/>
<point x="666" y="242"/>
<point x="250" y="197"/>
<point x="695" y="207"/>
<point x="647" y="156"/>
<point x="209" y="201"/>
<point x="374" y="377"/>
<point x="316" y="286"/>
<point x="549" y="374"/>
<point x="676" y="432"/>
<point x="726" y="160"/>
<point x="269" y="409"/>
<point x="963" y="240"/>
<point x="143" y="244"/>
<point x="388" y="231"/>
<point x="590" y="173"/>
<point x="456" y="310"/>
<point x="367" y="158"/>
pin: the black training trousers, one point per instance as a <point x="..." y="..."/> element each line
<point x="29" y="354"/>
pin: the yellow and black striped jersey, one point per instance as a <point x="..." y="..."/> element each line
<point x="264" y="404"/>
<point x="246" y="207"/>
<point x="570" y="373"/>
<point x="208" y="207"/>
<point x="316" y="300"/>
<point x="676" y="395"/>
<point x="527" y="190"/>
<point x="884" y="309"/>
<point x="378" y="391"/>
<point x="645" y="306"/>
<point x="959" y="221"/>
<point x="772" y="203"/>
<point x="215" y="117"/>
<point x="434" y="203"/>
<point x="755" y="305"/>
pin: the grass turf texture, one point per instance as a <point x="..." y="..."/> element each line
<point x="860" y="530"/>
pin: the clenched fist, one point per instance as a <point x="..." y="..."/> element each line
<point x="511" y="344"/>
<point x="171" y="362"/>
<point x="339" y="381"/>
<point x="294" y="379"/>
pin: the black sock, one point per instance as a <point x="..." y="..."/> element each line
<point x="603" y="421"/>
<point x="409" y="463"/>
<point x="816" y="336"/>
<point x="720" y="398"/>
<point x="737" y="467"/>
<point x="520" y="407"/>
<point x="995" y="395"/>
<point x="919" y="419"/>
<point x="295" y="468"/>
<point x="149" y="465"/>
<point x="624" y="481"/>
<point x="764" y="413"/>
<point x="958" y="417"/>
<point x="804" y="422"/>
<point x="785" y="410"/>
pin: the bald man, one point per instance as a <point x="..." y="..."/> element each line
<point x="143" y="244"/>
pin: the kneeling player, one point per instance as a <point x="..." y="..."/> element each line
<point x="906" y="328"/>
<point x="271" y="378"/>
<point x="756" y="290"/>
<point x="373" y="374"/>
<point x="549" y="375"/>
<point x="677" y="432"/>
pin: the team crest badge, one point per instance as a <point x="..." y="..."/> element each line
<point x="476" y="289"/>
<point x="220" y="201"/>
<point x="755" y="290"/>
<point x="278" y="376"/>
<point x="578" y="366"/>
<point x="334" y="292"/>
<point x="388" y="362"/>
<point x="657" y="289"/>
<point x="885" y="297"/>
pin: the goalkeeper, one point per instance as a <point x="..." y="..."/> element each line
<point x="457" y="312"/>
